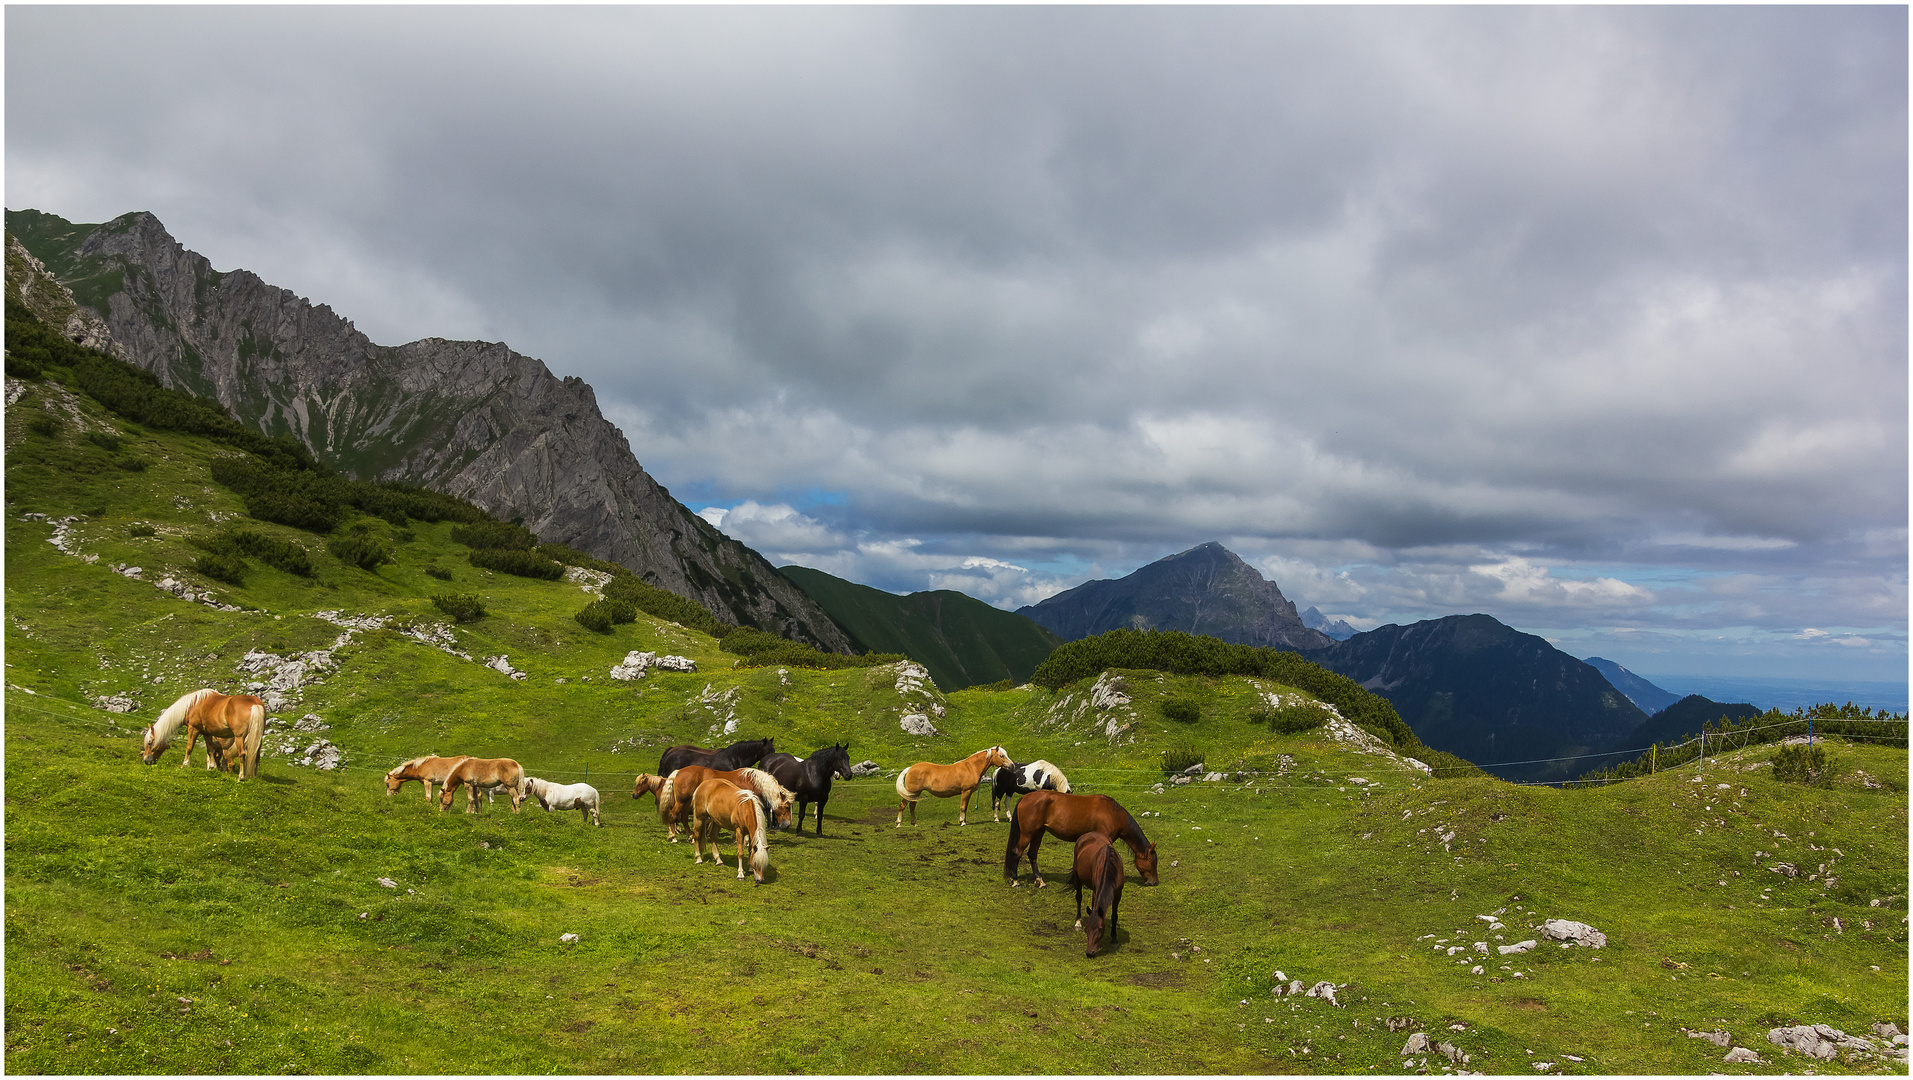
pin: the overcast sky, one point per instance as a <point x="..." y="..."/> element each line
<point x="1591" y="319"/>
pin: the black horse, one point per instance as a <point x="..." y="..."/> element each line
<point x="809" y="778"/>
<point x="734" y="756"/>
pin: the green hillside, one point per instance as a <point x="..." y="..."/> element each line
<point x="963" y="641"/>
<point x="166" y="920"/>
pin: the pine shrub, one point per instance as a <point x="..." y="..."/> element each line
<point x="1183" y="709"/>
<point x="520" y="561"/>
<point x="368" y="553"/>
<point x="462" y="607"/>
<point x="1291" y="719"/>
<point x="1801" y="763"/>
<point x="1178" y="757"/>
<point x="436" y="571"/>
<point x="221" y="566"/>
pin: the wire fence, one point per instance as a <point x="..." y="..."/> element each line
<point x="1143" y="780"/>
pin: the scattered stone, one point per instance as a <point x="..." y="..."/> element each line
<point x="1417" y="1044"/>
<point x="502" y="665"/>
<point x="1785" y="869"/>
<point x="115" y="704"/>
<point x="866" y="768"/>
<point x="917" y="724"/>
<point x="388" y="883"/>
<point x="1817" y="1041"/>
<point x="567" y="938"/>
<point x="1740" y="1055"/>
<point x="1517" y="947"/>
<point x="1109" y="692"/>
<point x="1718" y="1038"/>
<point x="1573" y="933"/>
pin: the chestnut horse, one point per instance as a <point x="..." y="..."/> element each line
<point x="1068" y="817"/>
<point x="241" y="718"/>
<point x="720" y="804"/>
<point x="943" y="781"/>
<point x="1098" y="866"/>
<point x="647" y="785"/>
<point x="1023" y="779"/>
<point x="488" y="773"/>
<point x="427" y="770"/>
<point x="674" y="798"/>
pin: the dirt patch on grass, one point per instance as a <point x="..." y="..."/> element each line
<point x="1529" y="1005"/>
<point x="1159" y="979"/>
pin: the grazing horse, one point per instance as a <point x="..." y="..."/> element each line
<point x="1098" y="866"/>
<point x="475" y="773"/>
<point x="674" y="798"/>
<point x="207" y="713"/>
<point x="647" y="785"/>
<point x="943" y="781"/>
<point x="809" y="778"/>
<point x="734" y="756"/>
<point x="580" y="797"/>
<point x="1023" y="779"/>
<point x="720" y="804"/>
<point x="427" y="770"/>
<point x="1068" y="817"/>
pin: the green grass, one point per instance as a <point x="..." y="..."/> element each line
<point x="871" y="949"/>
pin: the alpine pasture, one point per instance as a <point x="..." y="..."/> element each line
<point x="162" y="919"/>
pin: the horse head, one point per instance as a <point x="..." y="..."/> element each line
<point x="150" y="747"/>
<point x="999" y="757"/>
<point x="1093" y="930"/>
<point x="838" y="758"/>
<point x="1146" y="863"/>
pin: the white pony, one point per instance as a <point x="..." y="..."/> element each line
<point x="580" y="797"/>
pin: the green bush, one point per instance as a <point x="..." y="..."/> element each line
<point x="1803" y="764"/>
<point x="1291" y="719"/>
<point x="996" y="687"/>
<point x="1179" y="756"/>
<point x="1184" y="709"/>
<point x="282" y="554"/>
<point x="437" y="571"/>
<point x="365" y="552"/>
<point x="221" y="566"/>
<point x="522" y="562"/>
<point x="495" y="536"/>
<point x="105" y="440"/>
<point x="665" y="604"/>
<point x="140" y="528"/>
<point x="595" y="618"/>
<point x="133" y="463"/>
<point x="45" y="426"/>
<point x="462" y="607"/>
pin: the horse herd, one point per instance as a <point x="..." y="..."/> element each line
<point x="747" y="788"/>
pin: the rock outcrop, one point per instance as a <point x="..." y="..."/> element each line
<point x="470" y="418"/>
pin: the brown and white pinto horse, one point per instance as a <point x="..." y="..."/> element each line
<point x="1068" y="817"/>
<point x="1098" y="866"/>
<point x="720" y="804"/>
<point x="681" y="787"/>
<point x="943" y="781"/>
<point x="427" y="770"/>
<point x="241" y="718"/>
<point x="474" y="773"/>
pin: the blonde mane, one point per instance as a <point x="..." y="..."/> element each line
<point x="160" y="734"/>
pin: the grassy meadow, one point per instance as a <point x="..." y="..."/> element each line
<point x="169" y="920"/>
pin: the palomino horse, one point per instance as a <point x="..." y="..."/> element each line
<point x="1099" y="867"/>
<point x="1023" y="779"/>
<point x="427" y="770"/>
<point x="647" y="785"/>
<point x="943" y="781"/>
<point x="734" y="756"/>
<point x="580" y="797"/>
<point x="1068" y="817"/>
<point x="475" y="773"/>
<point x="241" y="718"/>
<point x="720" y="804"/>
<point x="674" y="798"/>
<point x="809" y="778"/>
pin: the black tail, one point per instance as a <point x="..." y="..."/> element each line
<point x="1009" y="853"/>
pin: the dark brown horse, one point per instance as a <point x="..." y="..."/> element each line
<point x="735" y="756"/>
<point x="1098" y="866"/>
<point x="1067" y="817"/>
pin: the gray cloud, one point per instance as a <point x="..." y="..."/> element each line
<point x="1376" y="296"/>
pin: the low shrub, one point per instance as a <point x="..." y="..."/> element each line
<point x="221" y="566"/>
<point x="133" y="463"/>
<point x="1292" y="719"/>
<point x="1183" y="709"/>
<point x="368" y="553"/>
<point x="520" y="561"/>
<point x="44" y="425"/>
<point x="996" y="687"/>
<point x="271" y="550"/>
<point x="105" y="440"/>
<point x="1178" y="757"/>
<point x="437" y="571"/>
<point x="1803" y="764"/>
<point x="462" y="607"/>
<point x="495" y="536"/>
<point x="140" y="528"/>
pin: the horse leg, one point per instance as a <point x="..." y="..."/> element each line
<point x="1036" y="841"/>
<point x="1079" y="901"/>
<point x="191" y="734"/>
<point x="963" y="809"/>
<point x="820" y="817"/>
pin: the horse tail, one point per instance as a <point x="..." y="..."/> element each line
<point x="254" y="740"/>
<point x="1109" y="878"/>
<point x="903" y="790"/>
<point x="1010" y="855"/>
<point x="760" y="849"/>
<point x="667" y="795"/>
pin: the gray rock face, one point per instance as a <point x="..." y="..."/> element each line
<point x="470" y="418"/>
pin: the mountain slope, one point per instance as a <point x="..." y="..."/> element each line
<point x="1205" y="590"/>
<point x="1684" y="719"/>
<point x="1650" y="698"/>
<point x="1508" y="701"/>
<point x="960" y="639"/>
<point x="473" y="419"/>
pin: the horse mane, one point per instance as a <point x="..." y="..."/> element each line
<point x="1106" y="882"/>
<point x="666" y="795"/>
<point x="1134" y="827"/>
<point x="167" y="725"/>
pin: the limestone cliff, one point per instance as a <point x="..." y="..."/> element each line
<point x="471" y="418"/>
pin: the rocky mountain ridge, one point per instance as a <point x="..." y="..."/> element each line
<point x="474" y="419"/>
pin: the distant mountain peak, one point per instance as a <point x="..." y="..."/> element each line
<point x="1207" y="589"/>
<point x="1339" y="629"/>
